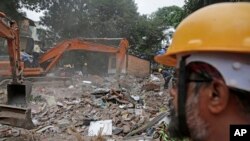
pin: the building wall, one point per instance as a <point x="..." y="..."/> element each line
<point x="138" y="67"/>
<point x="24" y="27"/>
<point x="34" y="32"/>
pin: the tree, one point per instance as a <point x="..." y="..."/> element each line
<point x="102" y="18"/>
<point x="149" y="30"/>
<point x="169" y="16"/>
<point x="145" y="40"/>
<point x="91" y="18"/>
<point x="193" y="5"/>
<point x="11" y="9"/>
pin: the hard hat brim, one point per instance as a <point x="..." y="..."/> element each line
<point x="214" y="33"/>
<point x="166" y="60"/>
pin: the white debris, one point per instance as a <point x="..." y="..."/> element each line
<point x="96" y="126"/>
<point x="59" y="104"/>
<point x="154" y="78"/>
<point x="122" y="106"/>
<point x="135" y="97"/>
<point x="87" y="82"/>
<point x="161" y="93"/>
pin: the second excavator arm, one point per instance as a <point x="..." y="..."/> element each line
<point x="54" y="54"/>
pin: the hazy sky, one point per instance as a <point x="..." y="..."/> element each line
<point x="149" y="6"/>
<point x="144" y="7"/>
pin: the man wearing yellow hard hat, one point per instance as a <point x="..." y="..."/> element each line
<point x="211" y="52"/>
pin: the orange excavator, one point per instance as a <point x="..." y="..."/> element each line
<point x="15" y="112"/>
<point x="49" y="59"/>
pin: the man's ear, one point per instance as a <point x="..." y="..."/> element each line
<point x="218" y="97"/>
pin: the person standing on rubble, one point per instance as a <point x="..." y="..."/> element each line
<point x="167" y="76"/>
<point x="85" y="69"/>
<point x="211" y="52"/>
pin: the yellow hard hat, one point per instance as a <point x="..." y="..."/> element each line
<point x="223" y="27"/>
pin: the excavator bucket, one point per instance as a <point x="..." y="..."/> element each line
<point x="18" y="94"/>
<point x="16" y="113"/>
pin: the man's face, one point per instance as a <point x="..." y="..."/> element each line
<point x="173" y="127"/>
<point x="196" y="125"/>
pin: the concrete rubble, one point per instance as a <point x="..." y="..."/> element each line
<point x="133" y="106"/>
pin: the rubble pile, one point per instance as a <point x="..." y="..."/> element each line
<point x="91" y="107"/>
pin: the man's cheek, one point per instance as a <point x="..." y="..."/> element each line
<point x="172" y="104"/>
<point x="175" y="105"/>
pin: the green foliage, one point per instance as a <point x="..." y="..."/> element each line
<point x="162" y="134"/>
<point x="100" y="18"/>
<point x="146" y="40"/>
<point x="10" y="8"/>
<point x="169" y="16"/>
<point x="110" y="19"/>
<point x="91" y="18"/>
<point x="193" y="5"/>
<point x="46" y="37"/>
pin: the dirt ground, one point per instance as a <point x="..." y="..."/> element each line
<point x="65" y="110"/>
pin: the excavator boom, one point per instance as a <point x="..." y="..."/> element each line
<point x="17" y="91"/>
<point x="53" y="55"/>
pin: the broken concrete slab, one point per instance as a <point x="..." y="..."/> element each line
<point x="151" y="87"/>
<point x="76" y="107"/>
<point x="51" y="100"/>
<point x="103" y="126"/>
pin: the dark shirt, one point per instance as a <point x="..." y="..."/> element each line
<point x="165" y="73"/>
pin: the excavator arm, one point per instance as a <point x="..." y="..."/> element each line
<point x="11" y="33"/>
<point x="14" y="113"/>
<point x="53" y="56"/>
<point x="121" y="55"/>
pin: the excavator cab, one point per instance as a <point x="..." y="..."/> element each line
<point x="15" y="111"/>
